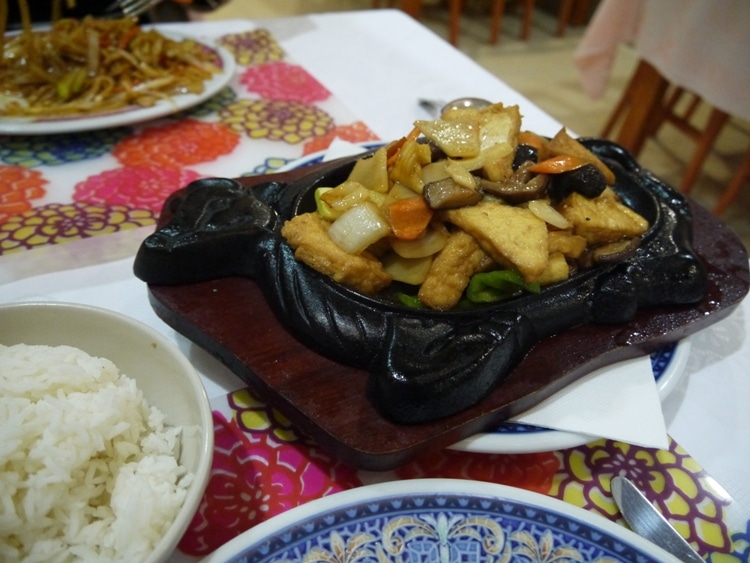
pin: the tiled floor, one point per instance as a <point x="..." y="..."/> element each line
<point x="541" y="68"/>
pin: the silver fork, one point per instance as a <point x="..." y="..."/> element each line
<point x="128" y="8"/>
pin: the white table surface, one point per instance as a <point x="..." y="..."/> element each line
<point x="379" y="63"/>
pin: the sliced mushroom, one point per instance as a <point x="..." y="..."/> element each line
<point x="522" y="185"/>
<point x="447" y="194"/>
<point x="614" y="251"/>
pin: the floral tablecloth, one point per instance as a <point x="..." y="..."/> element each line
<point x="56" y="189"/>
<point x="263" y="467"/>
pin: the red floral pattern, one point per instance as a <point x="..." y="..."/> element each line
<point x="177" y="144"/>
<point x="533" y="472"/>
<point x="135" y="187"/>
<point x="255" y="477"/>
<point x="284" y="81"/>
<point x="263" y="467"/>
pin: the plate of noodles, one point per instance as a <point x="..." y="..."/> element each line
<point x="105" y="73"/>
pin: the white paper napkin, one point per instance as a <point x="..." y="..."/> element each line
<point x="619" y="402"/>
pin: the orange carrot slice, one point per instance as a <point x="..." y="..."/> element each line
<point x="558" y="164"/>
<point x="530" y="139"/>
<point x="409" y="217"/>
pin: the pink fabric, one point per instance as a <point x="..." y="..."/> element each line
<point x="699" y="45"/>
<point x="614" y="22"/>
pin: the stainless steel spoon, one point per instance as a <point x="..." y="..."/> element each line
<point x="438" y="108"/>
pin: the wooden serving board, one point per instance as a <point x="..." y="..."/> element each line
<point x="326" y="400"/>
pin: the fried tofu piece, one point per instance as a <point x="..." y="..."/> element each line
<point x="602" y="219"/>
<point x="457" y="138"/>
<point x="307" y="234"/>
<point x="557" y="269"/>
<point x="512" y="236"/>
<point x="499" y="127"/>
<point x="500" y="124"/>
<point x="451" y="270"/>
<point x="562" y="143"/>
<point x="565" y="242"/>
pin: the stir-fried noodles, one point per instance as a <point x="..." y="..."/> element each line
<point x="92" y="66"/>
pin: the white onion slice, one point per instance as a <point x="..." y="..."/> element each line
<point x="547" y="213"/>
<point x="359" y="227"/>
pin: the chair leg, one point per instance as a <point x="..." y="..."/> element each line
<point x="716" y="122"/>
<point x="496" y="23"/>
<point x="411" y="7"/>
<point x="563" y="16"/>
<point x="528" y="16"/>
<point x="638" y="107"/>
<point x="455" y="22"/>
<point x="733" y="189"/>
<point x="616" y="114"/>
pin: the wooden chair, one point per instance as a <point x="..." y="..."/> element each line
<point x="568" y="9"/>
<point x="411" y="7"/>
<point x="636" y="112"/>
<point x="703" y="138"/>
<point x="740" y="178"/>
<point x="496" y="19"/>
<point x="649" y="101"/>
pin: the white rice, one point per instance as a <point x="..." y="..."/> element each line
<point x="88" y="470"/>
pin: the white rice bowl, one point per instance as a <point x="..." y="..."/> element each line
<point x="106" y="437"/>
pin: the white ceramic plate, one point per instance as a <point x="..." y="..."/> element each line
<point x="128" y="115"/>
<point x="668" y="365"/>
<point x="438" y="520"/>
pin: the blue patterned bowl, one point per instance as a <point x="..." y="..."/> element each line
<point x="438" y="520"/>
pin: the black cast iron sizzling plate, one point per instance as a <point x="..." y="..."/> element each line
<point x="377" y="383"/>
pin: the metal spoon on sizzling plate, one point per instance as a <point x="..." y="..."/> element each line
<point x="437" y="108"/>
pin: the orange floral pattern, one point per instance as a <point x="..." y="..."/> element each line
<point x="18" y="186"/>
<point x="356" y="132"/>
<point x="177" y="144"/>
